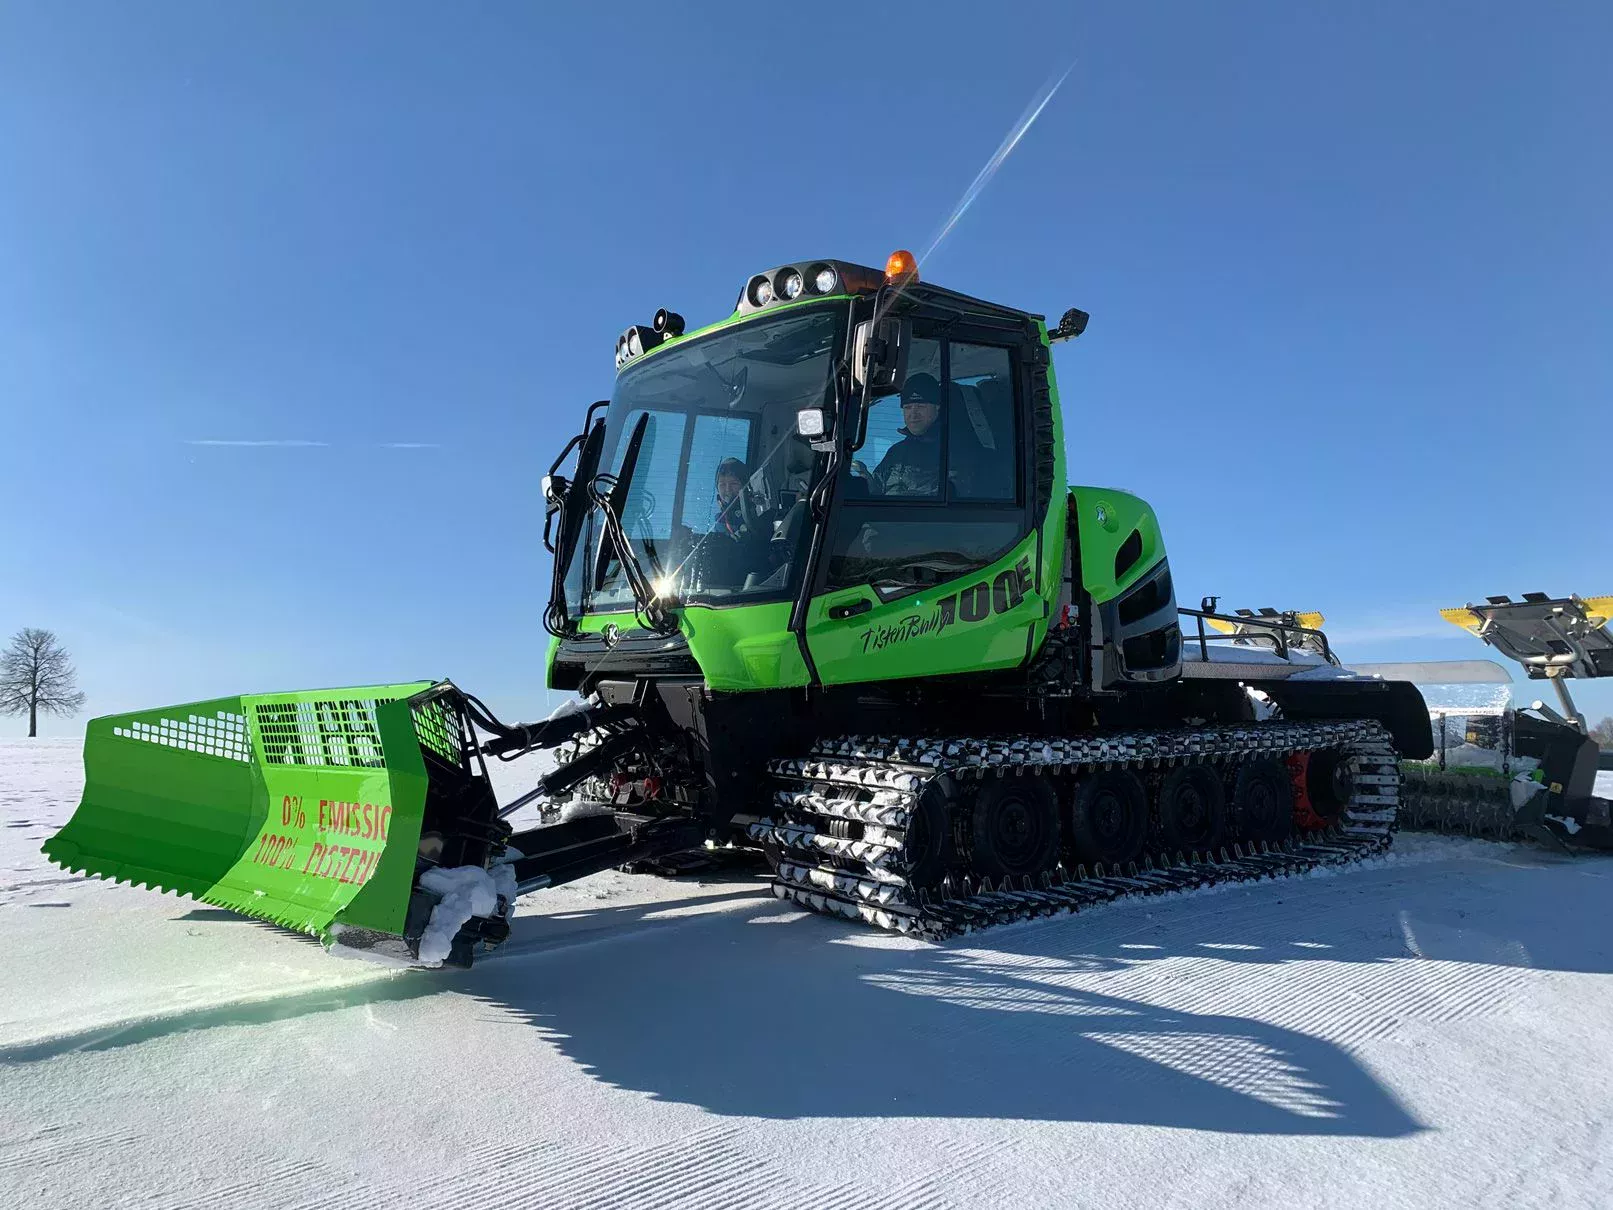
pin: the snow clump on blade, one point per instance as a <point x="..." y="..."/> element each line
<point x="466" y="891"/>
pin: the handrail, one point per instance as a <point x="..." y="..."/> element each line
<point x="1279" y="631"/>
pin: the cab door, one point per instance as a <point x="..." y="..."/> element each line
<point x="927" y="573"/>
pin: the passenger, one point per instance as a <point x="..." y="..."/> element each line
<point x="912" y="467"/>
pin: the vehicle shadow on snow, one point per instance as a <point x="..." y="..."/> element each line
<point x="789" y="1021"/>
<point x="767" y="1012"/>
<point x="733" y="1002"/>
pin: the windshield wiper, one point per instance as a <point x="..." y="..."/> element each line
<point x="568" y="503"/>
<point x="609" y="494"/>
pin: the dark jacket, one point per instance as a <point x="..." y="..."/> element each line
<point x="912" y="467"/>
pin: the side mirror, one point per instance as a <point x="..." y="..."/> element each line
<point x="879" y="354"/>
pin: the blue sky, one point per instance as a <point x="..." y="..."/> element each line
<point x="1348" y="270"/>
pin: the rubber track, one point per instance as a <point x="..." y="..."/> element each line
<point x="877" y="781"/>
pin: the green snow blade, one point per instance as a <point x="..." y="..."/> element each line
<point x="303" y="809"/>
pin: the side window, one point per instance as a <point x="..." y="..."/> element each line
<point x="982" y="437"/>
<point x="901" y="451"/>
<point x="718" y="441"/>
<point x="879" y="549"/>
<point x="934" y="492"/>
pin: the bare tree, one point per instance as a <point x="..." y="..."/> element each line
<point x="35" y="676"/>
<point x="1602" y="733"/>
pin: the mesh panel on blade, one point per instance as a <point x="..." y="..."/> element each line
<point x="437" y="729"/>
<point x="223" y="736"/>
<point x="335" y="732"/>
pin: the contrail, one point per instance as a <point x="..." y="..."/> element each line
<point x="293" y="443"/>
<point x="1015" y="134"/>
<point x="287" y="443"/>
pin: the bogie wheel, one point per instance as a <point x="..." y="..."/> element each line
<point x="1014" y="828"/>
<point x="1109" y="820"/>
<point x="1262" y="802"/>
<point x="1192" y="810"/>
<point x="927" y="847"/>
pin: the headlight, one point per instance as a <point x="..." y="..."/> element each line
<point x="790" y="287"/>
<point x="824" y="282"/>
<point x="761" y="292"/>
<point x="635" y="345"/>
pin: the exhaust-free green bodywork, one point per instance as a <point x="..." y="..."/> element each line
<point x="992" y="618"/>
<point x="303" y="809"/>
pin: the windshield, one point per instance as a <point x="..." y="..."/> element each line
<point x="717" y="507"/>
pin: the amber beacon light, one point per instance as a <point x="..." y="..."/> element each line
<point x="901" y="267"/>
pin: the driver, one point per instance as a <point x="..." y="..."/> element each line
<point x="912" y="467"/>
<point x="726" y="564"/>
<point x="731" y="476"/>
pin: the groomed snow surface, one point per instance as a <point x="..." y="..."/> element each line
<point x="1432" y="1030"/>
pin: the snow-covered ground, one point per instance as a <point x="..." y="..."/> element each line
<point x="1429" y="1031"/>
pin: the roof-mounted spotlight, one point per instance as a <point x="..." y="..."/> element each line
<point x="1071" y="324"/>
<point x="640" y="340"/>
<point x="668" y="323"/>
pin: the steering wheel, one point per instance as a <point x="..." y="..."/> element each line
<point x="749" y="515"/>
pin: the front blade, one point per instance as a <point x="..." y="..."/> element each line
<point x="299" y="808"/>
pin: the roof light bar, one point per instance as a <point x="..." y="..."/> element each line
<point x="805" y="280"/>
<point x="635" y="342"/>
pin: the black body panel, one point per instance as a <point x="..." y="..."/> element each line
<point x="1398" y="705"/>
<point x="636" y="652"/>
<point x="1567" y="757"/>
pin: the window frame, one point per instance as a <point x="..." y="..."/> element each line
<point x="691" y="418"/>
<point x="948" y="497"/>
<point x="792" y="591"/>
<point x="850" y="512"/>
<point x="1017" y="439"/>
<point x="686" y="453"/>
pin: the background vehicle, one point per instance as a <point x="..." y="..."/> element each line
<point x="1505" y="772"/>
